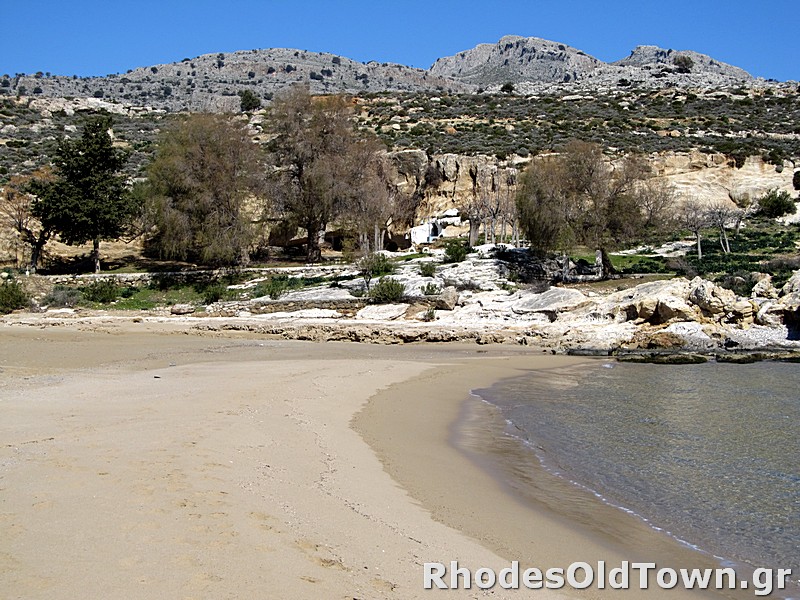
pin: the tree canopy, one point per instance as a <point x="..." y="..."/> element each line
<point x="87" y="200"/>
<point x="324" y="169"/>
<point x="199" y="183"/>
<point x="579" y="196"/>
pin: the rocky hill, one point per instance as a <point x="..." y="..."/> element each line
<point x="538" y="64"/>
<point x="212" y="82"/>
<point x="516" y="59"/>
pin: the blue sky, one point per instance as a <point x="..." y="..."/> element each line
<point x="98" y="37"/>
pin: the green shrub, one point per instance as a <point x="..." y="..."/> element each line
<point x="431" y="289"/>
<point x="214" y="293"/>
<point x="277" y="285"/>
<point x="12" y="296"/>
<point x="63" y="296"/>
<point x="429" y="315"/>
<point x="455" y="250"/>
<point x="427" y="269"/>
<point x="387" y="290"/>
<point x="376" y="264"/>
<point x="103" y="291"/>
<point x="776" y="203"/>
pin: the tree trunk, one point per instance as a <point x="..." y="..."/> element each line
<point x="313" y="252"/>
<point x="96" y="254"/>
<point x="727" y="245"/>
<point x="699" y="246"/>
<point x="608" y="266"/>
<point x="474" y="230"/>
<point x="377" y="238"/>
<point x="36" y="252"/>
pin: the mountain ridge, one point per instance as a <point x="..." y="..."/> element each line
<point x="212" y="82"/>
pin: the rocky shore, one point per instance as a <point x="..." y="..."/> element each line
<point x="478" y="300"/>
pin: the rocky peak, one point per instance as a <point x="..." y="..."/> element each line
<point x="516" y="58"/>
<point x="682" y="61"/>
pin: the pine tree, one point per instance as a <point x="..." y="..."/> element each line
<point x="88" y="200"/>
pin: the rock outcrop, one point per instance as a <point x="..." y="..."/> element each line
<point x="675" y="315"/>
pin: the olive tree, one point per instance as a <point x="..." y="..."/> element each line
<point x="17" y="200"/>
<point x="322" y="166"/>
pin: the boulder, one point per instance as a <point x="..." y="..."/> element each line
<point x="448" y="299"/>
<point x="671" y="308"/>
<point x="709" y="298"/>
<point x="743" y="311"/>
<point x="181" y="309"/>
<point x="763" y="287"/>
<point x="656" y="302"/>
<point x="793" y="285"/>
<point x="551" y="302"/>
<point x="769" y="314"/>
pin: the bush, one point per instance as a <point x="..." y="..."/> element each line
<point x="63" y="296"/>
<point x="249" y="101"/>
<point x="431" y="289"/>
<point x="776" y="203"/>
<point x="427" y="269"/>
<point x="103" y="291"/>
<point x="387" y="290"/>
<point x="796" y="180"/>
<point x="455" y="250"/>
<point x="214" y="293"/>
<point x="12" y="297"/>
<point x="376" y="265"/>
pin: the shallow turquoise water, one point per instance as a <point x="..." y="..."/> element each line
<point x="709" y="453"/>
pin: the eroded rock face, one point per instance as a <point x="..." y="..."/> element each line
<point x="711" y="299"/>
<point x="707" y="177"/>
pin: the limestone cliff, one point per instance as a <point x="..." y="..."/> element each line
<point x="447" y="181"/>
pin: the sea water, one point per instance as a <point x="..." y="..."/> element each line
<point x="709" y="454"/>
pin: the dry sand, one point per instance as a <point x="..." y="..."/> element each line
<point x="138" y="462"/>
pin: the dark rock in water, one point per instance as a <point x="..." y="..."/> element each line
<point x="742" y="359"/>
<point x="588" y="352"/>
<point x="663" y="359"/>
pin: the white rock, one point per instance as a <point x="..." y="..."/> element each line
<point x="382" y="312"/>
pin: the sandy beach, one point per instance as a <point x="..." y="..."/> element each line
<point x="139" y="462"/>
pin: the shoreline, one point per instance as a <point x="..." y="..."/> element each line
<point x="485" y="467"/>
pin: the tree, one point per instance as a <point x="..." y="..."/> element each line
<point x="249" y="101"/>
<point x="381" y="203"/>
<point x="721" y="214"/>
<point x="88" y="200"/>
<point x="694" y="217"/>
<point x="321" y="162"/>
<point x="776" y="203"/>
<point x="579" y="195"/>
<point x="205" y="170"/>
<point x="544" y="205"/>
<point x="16" y="209"/>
